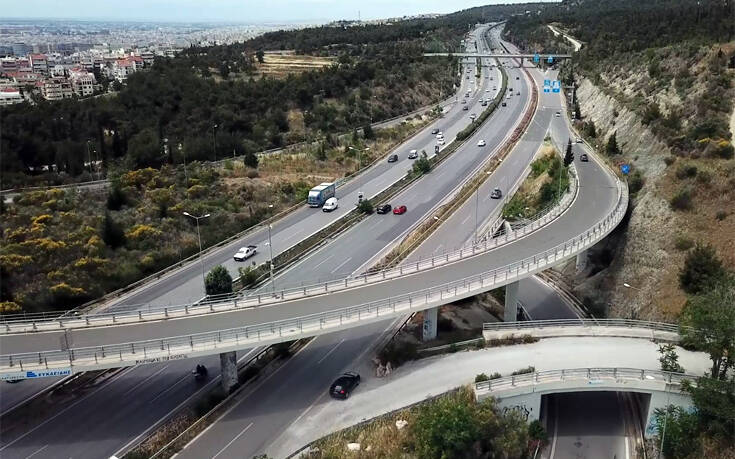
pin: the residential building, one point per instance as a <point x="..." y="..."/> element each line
<point x="39" y="63"/>
<point x="122" y="68"/>
<point x="56" y="89"/>
<point x="82" y="82"/>
<point x="9" y="96"/>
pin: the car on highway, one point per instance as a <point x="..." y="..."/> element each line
<point x="330" y="205"/>
<point x="487" y="90"/>
<point x="400" y="210"/>
<point x="481" y="143"/>
<point x="343" y="386"/>
<point x="583" y="158"/>
<point x="465" y="108"/>
<point x="518" y="78"/>
<point x="558" y="114"/>
<point x="440" y="135"/>
<point x="496" y="194"/>
<point x="578" y="140"/>
<point x="392" y="158"/>
<point x="413" y="154"/>
<point x="245" y="252"/>
<point x="435" y="131"/>
<point x="503" y="104"/>
<point x="464" y="101"/>
<point x="518" y="93"/>
<point x="383" y="209"/>
<point x="440" y="141"/>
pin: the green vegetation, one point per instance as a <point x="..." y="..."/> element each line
<point x="669" y="358"/>
<point x="365" y="206"/>
<point x="422" y="165"/>
<point x="547" y="179"/>
<point x="218" y="281"/>
<point x="453" y="425"/>
<point x="682" y="200"/>
<point x="702" y="269"/>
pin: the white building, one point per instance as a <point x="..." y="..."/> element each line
<point x="39" y="63"/>
<point x="56" y="89"/>
<point x="9" y="96"/>
<point x="82" y="82"/>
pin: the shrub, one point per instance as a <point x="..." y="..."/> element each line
<point x="537" y="432"/>
<point x="669" y="359"/>
<point x="724" y="150"/>
<point x="112" y="233"/>
<point x="702" y="268"/>
<point x="398" y="355"/>
<point x="704" y="177"/>
<point x="611" y="147"/>
<point x="218" y="281"/>
<point x="251" y="160"/>
<point x="523" y="371"/>
<point x="682" y="200"/>
<point x="686" y="171"/>
<point x="721" y="215"/>
<point x="421" y="165"/>
<point x="482" y="377"/>
<point x="683" y="243"/>
<point x="116" y="199"/>
<point x="636" y="182"/>
<point x="669" y="160"/>
<point x="365" y="206"/>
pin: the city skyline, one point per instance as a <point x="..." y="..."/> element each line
<point x="233" y="11"/>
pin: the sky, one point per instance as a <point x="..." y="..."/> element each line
<point x="244" y="11"/>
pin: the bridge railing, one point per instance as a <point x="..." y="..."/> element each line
<point x="579" y="374"/>
<point x="284" y="330"/>
<point x="626" y="323"/>
<point x="51" y="321"/>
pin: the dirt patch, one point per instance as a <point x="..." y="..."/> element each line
<point x="282" y="65"/>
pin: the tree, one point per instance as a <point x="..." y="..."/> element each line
<point x="421" y="165"/>
<point x="116" y="199"/>
<point x="590" y="129"/>
<point x="218" y="281"/>
<point x="365" y="206"/>
<point x="251" y="160"/>
<point x="669" y="359"/>
<point x="445" y="429"/>
<point x="112" y="233"/>
<point x="707" y="324"/>
<point x="702" y="268"/>
<point x="715" y="403"/>
<point x="577" y="112"/>
<point x="144" y="149"/>
<point x="568" y="156"/>
<point x="611" y="148"/>
<point x="367" y="131"/>
<point x="681" y="439"/>
<point x="260" y="55"/>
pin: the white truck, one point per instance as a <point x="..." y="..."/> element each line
<point x="245" y="252"/>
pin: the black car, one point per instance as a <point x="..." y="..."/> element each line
<point x="344" y="385"/>
<point x="392" y="158"/>
<point x="583" y="158"/>
<point x="518" y="78"/>
<point x="465" y="108"/>
<point x="435" y="131"/>
<point x="503" y="104"/>
<point x="384" y="209"/>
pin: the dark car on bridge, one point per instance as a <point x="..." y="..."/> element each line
<point x="384" y="209"/>
<point x="344" y="385"/>
<point x="503" y="104"/>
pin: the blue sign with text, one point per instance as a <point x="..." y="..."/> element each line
<point x="625" y="168"/>
<point x="551" y="60"/>
<point x="536" y="58"/>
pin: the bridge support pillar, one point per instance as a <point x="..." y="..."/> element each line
<point x="430" y="321"/>
<point x="660" y="400"/>
<point x="228" y="363"/>
<point x="581" y="260"/>
<point x="511" y="302"/>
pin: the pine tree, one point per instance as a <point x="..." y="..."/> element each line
<point x="112" y="233"/>
<point x="568" y="156"/>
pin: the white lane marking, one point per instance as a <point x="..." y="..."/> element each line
<point x="145" y="380"/>
<point x="293" y="235"/>
<point x="556" y="427"/>
<point x="466" y="218"/>
<point x="169" y="389"/>
<point x="627" y="448"/>
<point x="330" y="351"/>
<point x="341" y="264"/>
<point x="233" y="440"/>
<point x="323" y="261"/>
<point x="102" y="386"/>
<point x="38" y="451"/>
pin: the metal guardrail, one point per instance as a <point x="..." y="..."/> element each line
<point x="580" y="374"/>
<point x="55" y="321"/>
<point x="626" y="323"/>
<point x="289" y="329"/>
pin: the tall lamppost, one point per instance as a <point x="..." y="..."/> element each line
<point x="199" y="236"/>
<point x="359" y="150"/>
<point x="477" y="198"/>
<point x="183" y="154"/>
<point x="270" y="248"/>
<point x="214" y="140"/>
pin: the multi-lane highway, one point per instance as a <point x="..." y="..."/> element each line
<point x="160" y="388"/>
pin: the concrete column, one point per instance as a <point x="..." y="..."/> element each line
<point x="581" y="260"/>
<point x="511" y="302"/>
<point x="228" y="363"/>
<point x="430" y="320"/>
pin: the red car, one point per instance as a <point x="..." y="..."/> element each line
<point x="400" y="210"/>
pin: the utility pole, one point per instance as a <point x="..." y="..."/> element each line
<point x="199" y="236"/>
<point x="214" y="137"/>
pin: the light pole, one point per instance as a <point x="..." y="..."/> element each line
<point x="89" y="157"/>
<point x="214" y="140"/>
<point x="183" y="153"/>
<point x="199" y="236"/>
<point x="477" y="198"/>
<point x="359" y="150"/>
<point x="270" y="248"/>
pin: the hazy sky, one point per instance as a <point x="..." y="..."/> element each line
<point x="248" y="11"/>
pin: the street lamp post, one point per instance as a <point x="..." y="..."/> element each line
<point x="359" y="157"/>
<point x="214" y="140"/>
<point x="199" y="236"/>
<point x="89" y="158"/>
<point x="183" y="154"/>
<point x="270" y="248"/>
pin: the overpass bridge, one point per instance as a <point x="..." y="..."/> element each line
<point x="501" y="55"/>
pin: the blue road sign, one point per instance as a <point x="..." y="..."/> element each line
<point x="556" y="86"/>
<point x="536" y="58"/>
<point x="547" y="82"/>
<point x="551" y="60"/>
<point x="625" y="168"/>
<point x="547" y="89"/>
<point x="47" y="373"/>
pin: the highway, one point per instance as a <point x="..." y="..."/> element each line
<point x="165" y="386"/>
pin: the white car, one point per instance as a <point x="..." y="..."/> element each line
<point x="440" y="141"/>
<point x="245" y="252"/>
<point x="481" y="143"/>
<point x="330" y="205"/>
<point x="413" y="154"/>
<point x="487" y="90"/>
